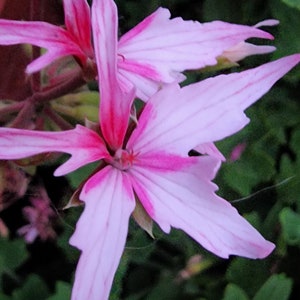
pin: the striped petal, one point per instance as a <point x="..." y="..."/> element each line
<point x="84" y="145"/>
<point x="159" y="49"/>
<point x="183" y="197"/>
<point x="101" y="232"/>
<point x="78" y="23"/>
<point x="56" y="40"/>
<point x="180" y="119"/>
<point x="115" y="104"/>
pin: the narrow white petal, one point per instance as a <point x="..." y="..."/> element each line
<point x="101" y="232"/>
<point x="185" y="199"/>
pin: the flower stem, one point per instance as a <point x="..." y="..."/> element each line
<point x="62" y="89"/>
<point x="57" y="119"/>
<point x="32" y="105"/>
<point x="11" y="108"/>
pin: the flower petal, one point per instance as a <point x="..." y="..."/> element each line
<point x="101" y="232"/>
<point x="210" y="149"/>
<point x="180" y="119"/>
<point x="78" y="23"/>
<point x="115" y="105"/>
<point x="46" y="59"/>
<point x="242" y="50"/>
<point x="159" y="48"/>
<point x="83" y="144"/>
<point x="185" y="199"/>
<point x="145" y="87"/>
<point x="56" y="40"/>
<point x="269" y="22"/>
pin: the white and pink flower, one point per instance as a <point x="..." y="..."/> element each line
<point x="153" y="53"/>
<point x="149" y="160"/>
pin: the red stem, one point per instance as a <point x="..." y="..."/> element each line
<point x="11" y="108"/>
<point x="32" y="104"/>
<point x="57" y="119"/>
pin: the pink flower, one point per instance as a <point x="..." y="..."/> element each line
<point x="151" y="161"/>
<point x="151" y="54"/>
<point x="40" y="216"/>
<point x="237" y="151"/>
<point x="74" y="40"/>
<point x="159" y="49"/>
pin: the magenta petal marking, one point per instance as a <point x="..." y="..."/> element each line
<point x="78" y="23"/>
<point x="159" y="48"/>
<point x="185" y="199"/>
<point x="101" y="232"/>
<point x="56" y="40"/>
<point x="159" y="162"/>
<point x="115" y="105"/>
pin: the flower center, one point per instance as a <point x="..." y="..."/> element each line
<point x="123" y="159"/>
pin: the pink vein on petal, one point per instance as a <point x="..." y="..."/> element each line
<point x="101" y="232"/>
<point x="84" y="145"/>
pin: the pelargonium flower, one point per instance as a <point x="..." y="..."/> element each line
<point x="159" y="49"/>
<point x="74" y="40"/>
<point x="154" y="52"/>
<point x="151" y="162"/>
<point x="40" y="216"/>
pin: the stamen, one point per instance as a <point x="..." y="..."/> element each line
<point x="123" y="159"/>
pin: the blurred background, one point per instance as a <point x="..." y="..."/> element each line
<point x="261" y="178"/>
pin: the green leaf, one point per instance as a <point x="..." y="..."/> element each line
<point x="63" y="291"/>
<point x="70" y="219"/>
<point x="34" y="288"/>
<point x="4" y="297"/>
<point x="287" y="41"/>
<point x="236" y="178"/>
<point x="295" y="142"/>
<point x="117" y="283"/>
<point x="165" y="290"/>
<point x="289" y="191"/>
<point x="292" y="3"/>
<point x="247" y="12"/>
<point x="290" y="222"/>
<point x="77" y="177"/>
<point x="233" y="292"/>
<point x="222" y="10"/>
<point x="12" y="254"/>
<point x="140" y="246"/>
<point x="242" y="176"/>
<point x="247" y="274"/>
<point x="277" y="287"/>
